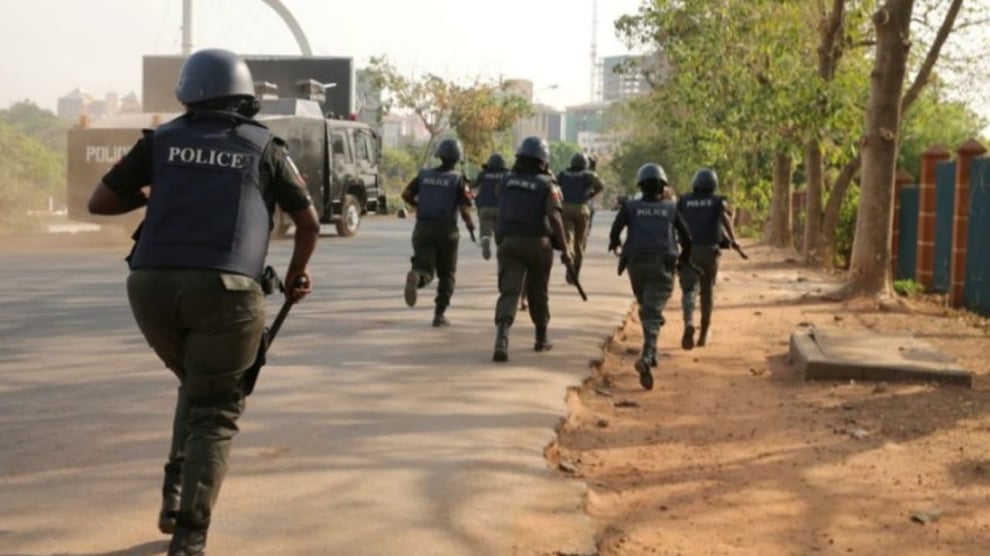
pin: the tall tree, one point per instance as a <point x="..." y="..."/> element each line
<point x="870" y="264"/>
<point x="478" y="113"/>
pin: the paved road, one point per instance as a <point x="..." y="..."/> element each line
<point x="370" y="433"/>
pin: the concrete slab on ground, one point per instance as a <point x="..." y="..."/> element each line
<point x="832" y="354"/>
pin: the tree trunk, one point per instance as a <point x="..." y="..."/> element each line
<point x="778" y="233"/>
<point x="813" y="202"/>
<point x="830" y="218"/>
<point x="830" y="50"/>
<point x="871" y="254"/>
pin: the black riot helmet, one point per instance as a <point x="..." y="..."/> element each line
<point x="651" y="178"/>
<point x="496" y="163"/>
<point x="534" y="147"/>
<point x="449" y="151"/>
<point x="705" y="180"/>
<point x="579" y="161"/>
<point x="213" y="74"/>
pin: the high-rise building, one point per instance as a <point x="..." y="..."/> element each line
<point x="623" y="77"/>
<point x="584" y="117"/>
<point x="546" y="122"/>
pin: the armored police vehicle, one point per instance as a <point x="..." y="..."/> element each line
<point x="338" y="157"/>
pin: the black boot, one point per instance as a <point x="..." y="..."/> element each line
<point x="438" y="318"/>
<point x="171" y="491"/>
<point x="170" y="508"/>
<point x="542" y="342"/>
<point x="703" y="336"/>
<point x="187" y="542"/>
<point x="687" y="340"/>
<point x="501" y="354"/>
<point x="645" y="375"/>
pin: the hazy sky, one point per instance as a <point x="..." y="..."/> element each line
<point x="53" y="46"/>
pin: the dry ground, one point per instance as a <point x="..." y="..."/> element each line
<point x="732" y="453"/>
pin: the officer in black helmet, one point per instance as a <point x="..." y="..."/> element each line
<point x="490" y="176"/>
<point x="437" y="194"/>
<point x="579" y="185"/>
<point x="709" y="217"/>
<point x="215" y="176"/>
<point x="529" y="229"/>
<point x="650" y="254"/>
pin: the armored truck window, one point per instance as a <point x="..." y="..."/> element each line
<point x="361" y="147"/>
<point x="339" y="141"/>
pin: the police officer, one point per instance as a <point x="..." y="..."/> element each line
<point x="215" y="176"/>
<point x="579" y="184"/>
<point x="709" y="217"/>
<point x="650" y="254"/>
<point x="438" y="194"/>
<point x="529" y="228"/>
<point x="490" y="176"/>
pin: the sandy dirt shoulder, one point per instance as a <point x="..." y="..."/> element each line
<point x="732" y="453"/>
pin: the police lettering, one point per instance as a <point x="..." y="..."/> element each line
<point x="516" y="183"/>
<point x="206" y="157"/>
<point x="436" y="181"/>
<point x="699" y="203"/>
<point x="105" y="154"/>
<point x="652" y="211"/>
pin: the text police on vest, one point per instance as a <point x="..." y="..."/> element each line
<point x="698" y="203"/>
<point x="435" y="181"/>
<point x="207" y="157"/>
<point x="516" y="183"/>
<point x="652" y="211"/>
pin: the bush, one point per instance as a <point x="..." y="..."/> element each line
<point x="908" y="287"/>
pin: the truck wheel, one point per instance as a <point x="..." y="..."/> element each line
<point x="282" y="223"/>
<point x="350" y="217"/>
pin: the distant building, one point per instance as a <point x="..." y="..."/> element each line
<point x="598" y="143"/>
<point x="368" y="100"/>
<point x="73" y="105"/>
<point x="622" y="85"/>
<point x="546" y="123"/>
<point x="583" y="118"/>
<point x="130" y="104"/>
<point x="78" y="102"/>
<point x="401" y="129"/>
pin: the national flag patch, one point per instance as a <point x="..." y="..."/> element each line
<point x="295" y="170"/>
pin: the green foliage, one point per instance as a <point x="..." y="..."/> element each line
<point x="908" y="287"/>
<point x="561" y="153"/>
<point x="846" y="228"/>
<point x="479" y="113"/>
<point x="36" y="122"/>
<point x="931" y="121"/>
<point x="30" y="174"/>
<point x="398" y="168"/>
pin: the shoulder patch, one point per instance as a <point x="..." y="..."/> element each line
<point x="294" y="170"/>
<point x="555" y="193"/>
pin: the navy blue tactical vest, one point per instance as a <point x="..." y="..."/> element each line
<point x="575" y="186"/>
<point x="522" y="205"/>
<point x="206" y="208"/>
<point x="651" y="228"/>
<point x="487" y="181"/>
<point x="438" y="195"/>
<point x="703" y="213"/>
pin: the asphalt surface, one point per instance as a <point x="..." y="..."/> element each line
<point x="370" y="432"/>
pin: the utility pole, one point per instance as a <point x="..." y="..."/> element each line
<point x="187" y="18"/>
<point x="594" y="50"/>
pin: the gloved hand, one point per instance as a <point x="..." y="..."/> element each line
<point x="473" y="239"/>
